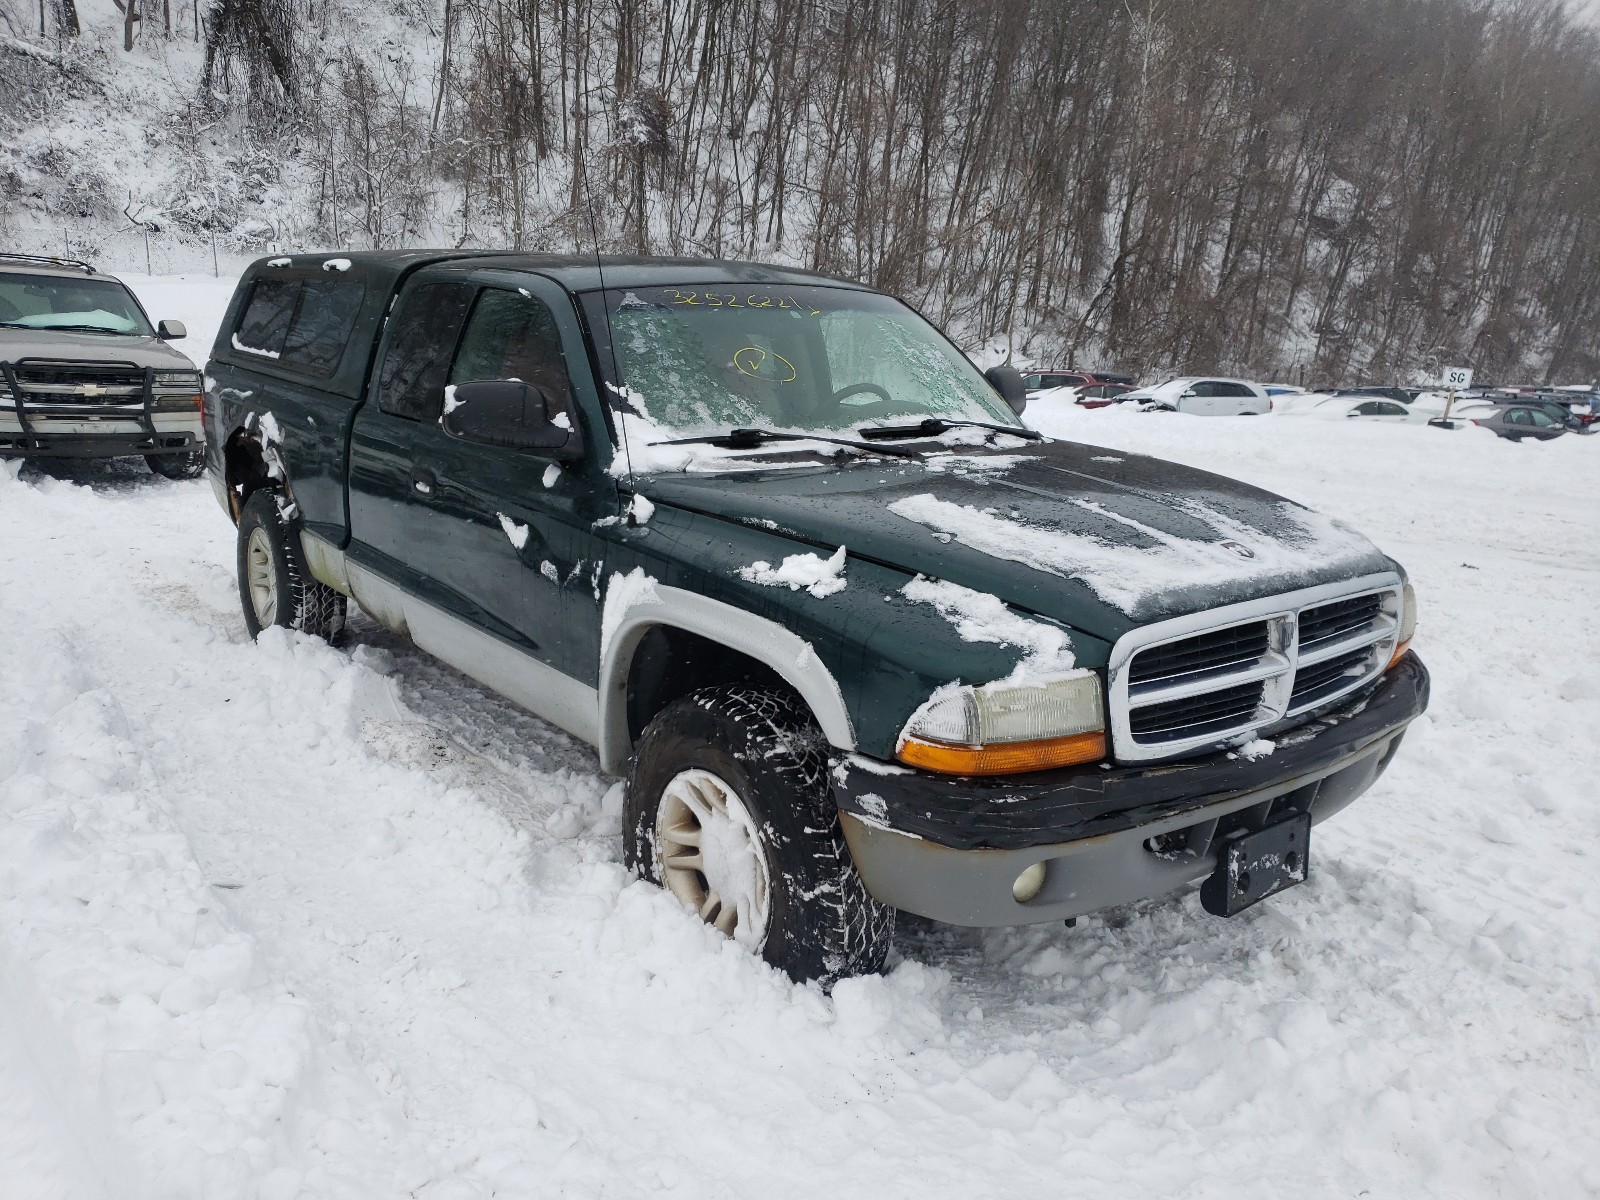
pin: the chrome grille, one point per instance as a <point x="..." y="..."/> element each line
<point x="1194" y="715"/>
<point x="1320" y="680"/>
<point x="1219" y="651"/>
<point x="1332" y="620"/>
<point x="69" y="377"/>
<point x="58" y="387"/>
<point x="1204" y="680"/>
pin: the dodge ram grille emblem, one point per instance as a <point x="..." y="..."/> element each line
<point x="1241" y="550"/>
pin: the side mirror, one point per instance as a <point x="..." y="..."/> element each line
<point x="1009" y="383"/>
<point x="171" y="331"/>
<point x="512" y="414"/>
<point x="1188" y="394"/>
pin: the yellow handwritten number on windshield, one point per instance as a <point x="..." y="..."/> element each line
<point x="753" y="361"/>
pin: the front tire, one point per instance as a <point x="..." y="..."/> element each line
<point x="186" y="464"/>
<point x="275" y="588"/>
<point x="729" y="808"/>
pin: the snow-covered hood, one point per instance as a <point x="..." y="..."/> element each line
<point x="91" y="347"/>
<point x="1098" y="540"/>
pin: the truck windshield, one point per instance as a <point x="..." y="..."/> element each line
<point x="62" y="302"/>
<point x="699" y="360"/>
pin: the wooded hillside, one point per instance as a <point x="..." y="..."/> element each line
<point x="1328" y="189"/>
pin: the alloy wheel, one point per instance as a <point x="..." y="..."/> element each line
<point x="710" y="856"/>
<point x="261" y="578"/>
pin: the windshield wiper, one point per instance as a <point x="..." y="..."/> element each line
<point x="751" y="439"/>
<point x="69" y="329"/>
<point x="934" y="426"/>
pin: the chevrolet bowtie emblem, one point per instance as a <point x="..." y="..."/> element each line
<point x="92" y="389"/>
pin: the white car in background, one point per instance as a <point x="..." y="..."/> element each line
<point x="1358" y="408"/>
<point x="1204" y="396"/>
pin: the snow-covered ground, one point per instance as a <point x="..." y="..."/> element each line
<point x="281" y="921"/>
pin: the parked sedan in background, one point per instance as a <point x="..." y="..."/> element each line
<point x="1044" y="381"/>
<point x="1514" y="422"/>
<point x="1554" y="409"/>
<point x="1360" y="408"/>
<point x="1576" y="410"/>
<point x="1204" y="396"/>
<point x="1399" y="395"/>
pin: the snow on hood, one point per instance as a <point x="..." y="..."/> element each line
<point x="1096" y="542"/>
<point x="1145" y="561"/>
<point x="979" y="617"/>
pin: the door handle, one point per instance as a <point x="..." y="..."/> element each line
<point x="423" y="482"/>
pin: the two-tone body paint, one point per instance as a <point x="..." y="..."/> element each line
<point x="443" y="517"/>
<point x="448" y="546"/>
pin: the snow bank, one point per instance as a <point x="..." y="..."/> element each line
<point x="453" y="989"/>
<point x="216" y="1079"/>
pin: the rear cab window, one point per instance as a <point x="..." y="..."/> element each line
<point x="302" y="324"/>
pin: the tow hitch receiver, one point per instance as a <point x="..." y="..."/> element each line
<point x="1256" y="865"/>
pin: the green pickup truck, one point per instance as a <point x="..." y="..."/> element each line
<point x="859" y="640"/>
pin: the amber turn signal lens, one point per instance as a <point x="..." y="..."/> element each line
<point x="1006" y="758"/>
<point x="1399" y="653"/>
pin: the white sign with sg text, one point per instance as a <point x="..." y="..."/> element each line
<point x="1458" y="377"/>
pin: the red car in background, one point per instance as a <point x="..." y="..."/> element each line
<point x="1091" y="389"/>
<point x="1099" y="395"/>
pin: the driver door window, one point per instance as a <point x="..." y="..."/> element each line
<point x="512" y="336"/>
<point x="412" y="377"/>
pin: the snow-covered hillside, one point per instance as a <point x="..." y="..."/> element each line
<point x="279" y="920"/>
<point x="1321" y="192"/>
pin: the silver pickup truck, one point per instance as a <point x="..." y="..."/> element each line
<point x="84" y="374"/>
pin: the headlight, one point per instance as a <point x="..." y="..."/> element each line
<point x="186" y="385"/>
<point x="1408" y="625"/>
<point x="1005" y="729"/>
<point x="178" y="379"/>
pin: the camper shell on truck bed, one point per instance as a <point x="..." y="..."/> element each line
<point x="859" y="639"/>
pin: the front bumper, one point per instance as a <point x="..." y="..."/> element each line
<point x="170" y="433"/>
<point x="950" y="848"/>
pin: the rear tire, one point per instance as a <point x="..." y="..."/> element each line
<point x="275" y="588"/>
<point x="728" y="792"/>
<point x="187" y="464"/>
